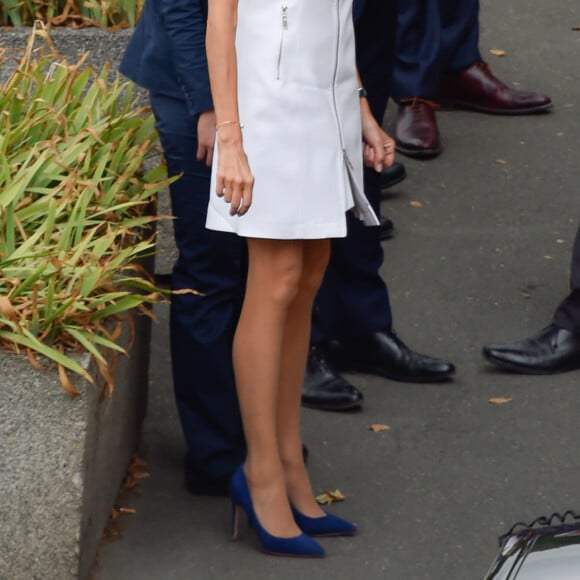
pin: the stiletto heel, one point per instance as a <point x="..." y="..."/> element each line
<point x="326" y="525"/>
<point x="235" y="520"/>
<point x="300" y="545"/>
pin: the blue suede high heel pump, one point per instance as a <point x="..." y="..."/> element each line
<point x="326" y="525"/>
<point x="300" y="545"/>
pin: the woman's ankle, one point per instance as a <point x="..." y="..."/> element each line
<point x="300" y="492"/>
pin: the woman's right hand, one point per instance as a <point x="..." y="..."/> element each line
<point x="235" y="181"/>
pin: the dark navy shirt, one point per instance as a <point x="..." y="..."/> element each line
<point x="166" y="53"/>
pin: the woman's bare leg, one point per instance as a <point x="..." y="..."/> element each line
<point x="292" y="366"/>
<point x="274" y="273"/>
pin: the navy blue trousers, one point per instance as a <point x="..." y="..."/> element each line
<point x="568" y="313"/>
<point x="201" y="326"/>
<point x="433" y="37"/>
<point x="353" y="299"/>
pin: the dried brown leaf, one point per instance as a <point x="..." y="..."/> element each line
<point x="126" y="510"/>
<point x="501" y="161"/>
<point x="7" y="310"/>
<point x="378" y="427"/>
<point x="182" y="291"/>
<point x="576" y="28"/>
<point x="500" y="400"/>
<point x="497" y="52"/>
<point x="34" y="361"/>
<point x="65" y="382"/>
<point x="329" y="497"/>
<point x="137" y="470"/>
<point x="110" y="532"/>
<point x="415" y="203"/>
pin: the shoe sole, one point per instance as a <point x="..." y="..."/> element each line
<point x="337" y="535"/>
<point x="288" y="555"/>
<point x="508" y="112"/>
<point x="398" y="378"/>
<point x="520" y="369"/>
<point x="345" y="407"/>
<point x="418" y="153"/>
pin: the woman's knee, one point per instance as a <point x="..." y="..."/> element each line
<point x="314" y="266"/>
<point x="286" y="279"/>
<point x="277" y="273"/>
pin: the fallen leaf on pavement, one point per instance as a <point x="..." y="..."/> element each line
<point x="125" y="510"/>
<point x="329" y="497"/>
<point x="136" y="471"/>
<point x="501" y="161"/>
<point x="497" y="52"/>
<point x="377" y="427"/>
<point x="110" y="533"/>
<point x="524" y="293"/>
<point x="415" y="203"/>
<point x="576" y="28"/>
<point x="500" y="400"/>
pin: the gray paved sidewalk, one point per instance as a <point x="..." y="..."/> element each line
<point x="432" y="494"/>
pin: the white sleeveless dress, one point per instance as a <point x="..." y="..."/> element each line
<point x="298" y="102"/>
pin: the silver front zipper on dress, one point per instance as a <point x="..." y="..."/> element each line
<point x="283" y="29"/>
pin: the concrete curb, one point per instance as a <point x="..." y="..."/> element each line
<point x="62" y="460"/>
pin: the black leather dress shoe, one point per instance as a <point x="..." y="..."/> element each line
<point x="324" y="388"/>
<point x="385" y="354"/>
<point x="386" y="228"/>
<point x="552" y="350"/>
<point x="392" y="175"/>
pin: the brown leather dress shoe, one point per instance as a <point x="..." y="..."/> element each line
<point x="416" y="131"/>
<point x="478" y="89"/>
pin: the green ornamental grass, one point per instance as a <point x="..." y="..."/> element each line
<point x="75" y="217"/>
<point x="112" y="14"/>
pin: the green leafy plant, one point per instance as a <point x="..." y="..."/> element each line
<point x="78" y="13"/>
<point x="74" y="212"/>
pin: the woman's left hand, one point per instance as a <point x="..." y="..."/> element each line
<point x="378" y="147"/>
